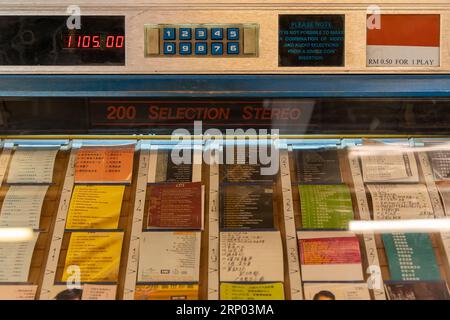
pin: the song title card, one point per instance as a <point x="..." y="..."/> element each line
<point x="167" y="292"/>
<point x="176" y="206"/>
<point x="15" y="259"/>
<point x="417" y="290"/>
<point x="95" y="207"/>
<point x="169" y="257"/>
<point x="248" y="206"/>
<point x="444" y="191"/>
<point x="165" y="168"/>
<point x="65" y="292"/>
<point x="318" y="166"/>
<point x="251" y="291"/>
<point x="96" y="254"/>
<point x="255" y="256"/>
<point x="329" y="256"/>
<point x="32" y="165"/>
<point x="84" y="292"/>
<point x="336" y="291"/>
<point x="325" y="206"/>
<point x="400" y="201"/>
<point x="242" y="164"/>
<point x="411" y="256"/>
<point x="18" y="292"/>
<point x="389" y="166"/>
<point x="104" y="164"/>
<point x="99" y="292"/>
<point x="440" y="163"/>
<point x="22" y="206"/>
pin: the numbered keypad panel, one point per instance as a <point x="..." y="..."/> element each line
<point x="201" y="40"/>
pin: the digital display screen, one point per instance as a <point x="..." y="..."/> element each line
<point x="93" y="41"/>
<point x="47" y="41"/>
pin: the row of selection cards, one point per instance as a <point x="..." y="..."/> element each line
<point x="395" y="184"/>
<point x="330" y="256"/>
<point x="172" y="228"/>
<point x="29" y="197"/>
<point x="251" y="251"/>
<point x="93" y="236"/>
<point x="395" y="191"/>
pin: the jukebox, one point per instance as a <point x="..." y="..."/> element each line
<point x="280" y="150"/>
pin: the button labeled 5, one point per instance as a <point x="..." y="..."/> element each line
<point x="233" y="33"/>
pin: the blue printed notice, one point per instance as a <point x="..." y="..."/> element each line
<point x="311" y="40"/>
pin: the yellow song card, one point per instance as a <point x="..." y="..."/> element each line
<point x="93" y="257"/>
<point x="166" y="292"/>
<point x="95" y="207"/>
<point x="251" y="291"/>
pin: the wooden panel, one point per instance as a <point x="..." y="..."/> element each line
<point x="250" y="11"/>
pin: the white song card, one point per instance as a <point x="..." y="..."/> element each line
<point x="400" y="201"/>
<point x="444" y="191"/>
<point x="15" y="259"/>
<point x="169" y="257"/>
<point x="251" y="256"/>
<point x="22" y="206"/>
<point x="389" y="166"/>
<point x="18" y="292"/>
<point x="99" y="292"/>
<point x="32" y="165"/>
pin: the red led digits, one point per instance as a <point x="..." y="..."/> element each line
<point x="96" y="42"/>
<point x="87" y="41"/>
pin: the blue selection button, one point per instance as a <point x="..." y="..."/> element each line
<point x="170" y="48"/>
<point x="217" y="48"/>
<point x="233" y="33"/>
<point x="185" y="34"/>
<point x="201" y="34"/>
<point x="233" y="48"/>
<point x="185" y="48"/>
<point x="216" y="33"/>
<point x="169" y="34"/>
<point x="201" y="48"/>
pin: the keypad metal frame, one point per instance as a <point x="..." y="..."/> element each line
<point x="209" y="41"/>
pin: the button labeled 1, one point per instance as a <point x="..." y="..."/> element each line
<point x="169" y="34"/>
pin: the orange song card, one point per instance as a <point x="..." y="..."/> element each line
<point x="104" y="164"/>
